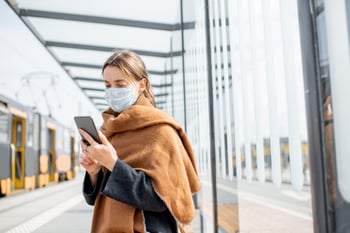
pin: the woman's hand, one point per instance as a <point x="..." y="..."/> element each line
<point x="104" y="154"/>
<point x="90" y="165"/>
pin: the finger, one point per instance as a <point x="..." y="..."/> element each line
<point x="102" y="138"/>
<point x="87" y="161"/>
<point x="85" y="157"/>
<point x="87" y="136"/>
<point x="91" y="161"/>
<point x="82" y="160"/>
<point x="82" y="145"/>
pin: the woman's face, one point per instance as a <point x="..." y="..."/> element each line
<point x="114" y="77"/>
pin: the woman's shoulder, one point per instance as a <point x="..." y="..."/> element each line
<point x="153" y="114"/>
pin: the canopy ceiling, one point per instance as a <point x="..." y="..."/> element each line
<point x="82" y="34"/>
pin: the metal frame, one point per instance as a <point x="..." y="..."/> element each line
<point x="314" y="112"/>
<point x="109" y="49"/>
<point x="104" y="20"/>
<point x="93" y="66"/>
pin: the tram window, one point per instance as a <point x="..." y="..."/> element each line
<point x="36" y="132"/>
<point x="50" y="140"/>
<point x="4" y="128"/>
<point x="19" y="133"/>
<point x="43" y="135"/>
<point x="30" y="130"/>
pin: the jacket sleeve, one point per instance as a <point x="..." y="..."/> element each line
<point x="132" y="187"/>
<point x="89" y="192"/>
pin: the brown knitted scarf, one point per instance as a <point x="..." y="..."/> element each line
<point x="149" y="140"/>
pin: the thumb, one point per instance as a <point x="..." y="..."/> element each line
<point x="103" y="138"/>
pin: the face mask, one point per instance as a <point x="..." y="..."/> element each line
<point x="120" y="98"/>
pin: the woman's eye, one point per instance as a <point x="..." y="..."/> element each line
<point x="122" y="85"/>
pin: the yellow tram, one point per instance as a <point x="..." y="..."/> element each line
<point x="34" y="149"/>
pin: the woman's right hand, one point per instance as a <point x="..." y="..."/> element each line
<point x="91" y="165"/>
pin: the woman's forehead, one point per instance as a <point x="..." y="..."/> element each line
<point x="113" y="73"/>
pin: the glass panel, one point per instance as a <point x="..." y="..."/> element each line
<point x="269" y="160"/>
<point x="198" y="109"/>
<point x="270" y="117"/>
<point x="227" y="201"/>
<point x="339" y="68"/>
<point x="132" y="9"/>
<point x="81" y="55"/>
<point x="332" y="23"/>
<point x="96" y="34"/>
<point x="326" y="99"/>
<point x="19" y="45"/>
<point x="99" y="57"/>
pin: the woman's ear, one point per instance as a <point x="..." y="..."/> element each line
<point x="143" y="84"/>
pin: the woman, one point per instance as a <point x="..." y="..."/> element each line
<point x="142" y="177"/>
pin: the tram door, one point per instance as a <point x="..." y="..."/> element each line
<point x="52" y="155"/>
<point x="72" y="153"/>
<point x="18" y="140"/>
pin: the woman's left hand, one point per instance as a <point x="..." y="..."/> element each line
<point x="104" y="153"/>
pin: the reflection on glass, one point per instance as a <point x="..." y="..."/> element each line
<point x="332" y="22"/>
<point x="262" y="171"/>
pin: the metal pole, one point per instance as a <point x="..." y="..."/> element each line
<point x="172" y="77"/>
<point x="306" y="10"/>
<point x="211" y="116"/>
<point x="183" y="63"/>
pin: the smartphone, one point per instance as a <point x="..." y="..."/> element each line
<point x="87" y="124"/>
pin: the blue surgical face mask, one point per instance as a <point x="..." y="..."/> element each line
<point x="120" y="98"/>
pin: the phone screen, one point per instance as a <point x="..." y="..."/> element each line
<point x="87" y="124"/>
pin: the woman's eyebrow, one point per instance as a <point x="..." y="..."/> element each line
<point x="120" y="81"/>
<point x="115" y="81"/>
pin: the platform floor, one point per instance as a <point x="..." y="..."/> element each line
<point x="56" y="208"/>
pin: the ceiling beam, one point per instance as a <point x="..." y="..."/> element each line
<point x="161" y="94"/>
<point x="103" y="90"/>
<point x="161" y="102"/>
<point x="100" y="80"/>
<point x="166" y="72"/>
<point x="82" y="65"/>
<point x="97" y="97"/>
<point x="110" y="49"/>
<point x="92" y="89"/>
<point x="93" y="66"/>
<point x="162" y="85"/>
<point x="105" y="20"/>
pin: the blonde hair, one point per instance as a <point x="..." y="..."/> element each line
<point x="132" y="65"/>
